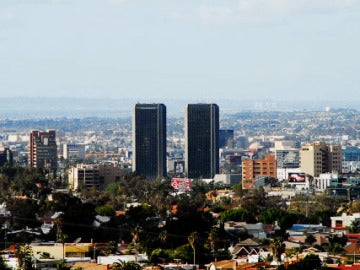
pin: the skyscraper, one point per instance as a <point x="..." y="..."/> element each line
<point x="202" y="140"/>
<point x="319" y="157"/>
<point x="43" y="149"/>
<point x="149" y="140"/>
<point x="226" y="138"/>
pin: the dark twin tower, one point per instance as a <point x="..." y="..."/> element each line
<point x="201" y="140"/>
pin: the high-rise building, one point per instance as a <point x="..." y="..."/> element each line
<point x="252" y="169"/>
<point x="149" y="140"/>
<point x="43" y="149"/>
<point x="202" y="140"/>
<point x="226" y="138"/>
<point x="318" y="157"/>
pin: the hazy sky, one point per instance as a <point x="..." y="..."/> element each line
<point x="189" y="49"/>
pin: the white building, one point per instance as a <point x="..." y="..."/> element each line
<point x="283" y="173"/>
<point x="94" y="175"/>
<point x="324" y="180"/>
<point x="344" y="220"/>
<point x="74" y="151"/>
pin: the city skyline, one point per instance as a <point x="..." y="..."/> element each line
<point x="196" y="50"/>
<point x="40" y="108"/>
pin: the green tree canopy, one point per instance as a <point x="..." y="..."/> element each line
<point x="238" y="214"/>
<point x="284" y="218"/>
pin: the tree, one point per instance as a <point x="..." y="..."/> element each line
<point x="277" y="248"/>
<point x="105" y="210"/>
<point x="354" y="207"/>
<point x="336" y="243"/>
<point x="110" y="248"/>
<point x="354" y="227"/>
<point x="310" y="239"/>
<point x="192" y="238"/>
<point x="123" y="265"/>
<point x="311" y="261"/>
<point x="3" y="265"/>
<point x="160" y="256"/>
<point x="237" y="188"/>
<point x="163" y="236"/>
<point x="60" y="236"/>
<point x="285" y="218"/>
<point x="213" y="238"/>
<point x="316" y="208"/>
<point x="136" y="234"/>
<point x="237" y="214"/>
<point x="24" y="255"/>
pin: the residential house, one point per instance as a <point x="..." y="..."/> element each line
<point x="343" y="221"/>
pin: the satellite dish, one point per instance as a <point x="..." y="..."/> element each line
<point x="77" y="240"/>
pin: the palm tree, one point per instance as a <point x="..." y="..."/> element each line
<point x="136" y="234"/>
<point x="60" y="236"/>
<point x="163" y="236"/>
<point x="123" y="265"/>
<point x="133" y="247"/>
<point x="193" y="237"/>
<point x="213" y="238"/>
<point x="277" y="248"/>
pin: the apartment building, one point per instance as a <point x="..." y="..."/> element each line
<point x="252" y="169"/>
<point x="318" y="157"/>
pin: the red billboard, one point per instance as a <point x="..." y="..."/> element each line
<point x="181" y="184"/>
<point x="297" y="177"/>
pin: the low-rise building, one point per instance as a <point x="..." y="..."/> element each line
<point x="94" y="175"/>
<point x="62" y="251"/>
<point x="344" y="221"/>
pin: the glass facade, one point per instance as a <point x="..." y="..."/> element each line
<point x="149" y="140"/>
<point x="202" y="140"/>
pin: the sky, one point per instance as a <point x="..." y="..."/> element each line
<point x="201" y="50"/>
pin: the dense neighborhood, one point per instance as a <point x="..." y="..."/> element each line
<point x="91" y="210"/>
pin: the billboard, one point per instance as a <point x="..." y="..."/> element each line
<point x="296" y="177"/>
<point x="181" y="184"/>
<point x="179" y="166"/>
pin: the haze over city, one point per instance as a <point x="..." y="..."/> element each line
<point x="153" y="51"/>
<point x="179" y="135"/>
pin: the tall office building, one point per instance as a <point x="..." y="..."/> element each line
<point x="318" y="157"/>
<point x="43" y="149"/>
<point x="149" y="140"/>
<point x="226" y="138"/>
<point x="202" y="140"/>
